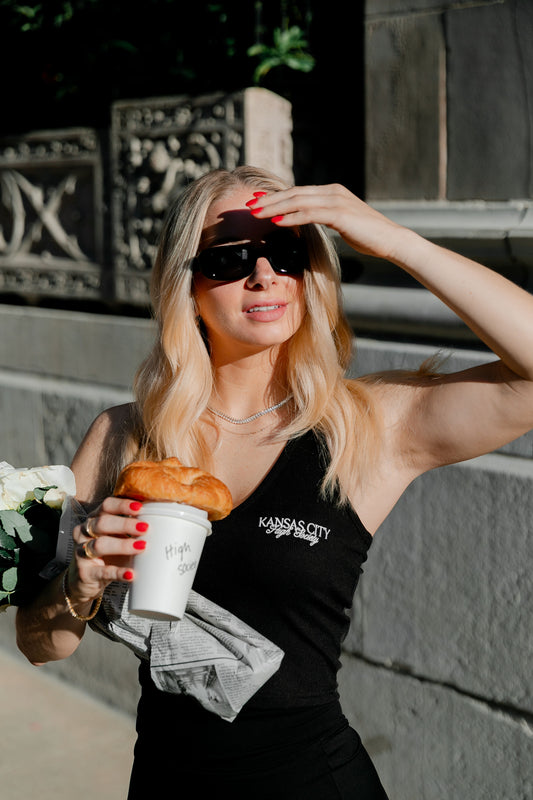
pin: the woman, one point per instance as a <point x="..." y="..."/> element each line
<point x="246" y="380"/>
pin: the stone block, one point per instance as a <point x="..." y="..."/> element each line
<point x="489" y="83"/>
<point x="92" y="349"/>
<point x="447" y="592"/>
<point x="44" y="420"/>
<point x="21" y="432"/>
<point x="404" y="105"/>
<point x="429" y="742"/>
<point x="51" y="215"/>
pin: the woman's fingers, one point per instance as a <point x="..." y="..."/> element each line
<point x="114" y="517"/>
<point x="108" y="548"/>
<point x="360" y="225"/>
<point x="105" y="545"/>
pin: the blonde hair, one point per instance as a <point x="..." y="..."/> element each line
<point x="175" y="382"/>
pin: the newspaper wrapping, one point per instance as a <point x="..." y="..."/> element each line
<point x="210" y="654"/>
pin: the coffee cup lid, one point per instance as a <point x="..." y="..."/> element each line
<point x="177" y="510"/>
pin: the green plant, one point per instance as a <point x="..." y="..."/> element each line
<point x="288" y="50"/>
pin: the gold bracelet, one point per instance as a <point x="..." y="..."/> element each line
<point x="72" y="612"/>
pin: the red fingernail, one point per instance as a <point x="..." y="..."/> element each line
<point x="255" y="210"/>
<point x="251" y="202"/>
<point x="278" y="218"/>
<point x="136" y="506"/>
<point x="259" y="194"/>
<point x="140" y="544"/>
<point x="128" y="575"/>
<point x="141" y="527"/>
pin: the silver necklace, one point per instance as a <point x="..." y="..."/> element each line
<point x="248" y="419"/>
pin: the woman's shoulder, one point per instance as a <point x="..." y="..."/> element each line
<point x="111" y="434"/>
<point x="115" y="420"/>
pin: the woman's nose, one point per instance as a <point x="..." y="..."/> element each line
<point x="263" y="273"/>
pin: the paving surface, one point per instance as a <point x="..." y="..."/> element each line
<point x="57" y="742"/>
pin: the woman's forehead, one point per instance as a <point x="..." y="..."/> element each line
<point x="229" y="220"/>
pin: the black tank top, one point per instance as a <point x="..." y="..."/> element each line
<point x="287" y="562"/>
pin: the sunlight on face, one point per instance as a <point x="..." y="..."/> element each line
<point x="258" y="312"/>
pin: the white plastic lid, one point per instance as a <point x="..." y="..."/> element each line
<point x="179" y="510"/>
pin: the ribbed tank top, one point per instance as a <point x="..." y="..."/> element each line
<point x="287" y="562"/>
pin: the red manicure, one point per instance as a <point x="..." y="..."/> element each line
<point x="140" y="544"/>
<point x="259" y="194"/>
<point x="278" y="218"/>
<point x="251" y="202"/>
<point x="128" y="575"/>
<point x="141" y="527"/>
<point x="135" y="506"/>
<point x="255" y="210"/>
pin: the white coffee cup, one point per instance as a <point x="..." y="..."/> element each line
<point x="164" y="572"/>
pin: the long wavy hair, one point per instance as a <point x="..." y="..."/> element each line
<point x="174" y="383"/>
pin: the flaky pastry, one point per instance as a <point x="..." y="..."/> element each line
<point x="169" y="481"/>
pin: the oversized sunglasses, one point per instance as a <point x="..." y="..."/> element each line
<point x="232" y="262"/>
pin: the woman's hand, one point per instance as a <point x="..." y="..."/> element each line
<point x="361" y="227"/>
<point x="105" y="545"/>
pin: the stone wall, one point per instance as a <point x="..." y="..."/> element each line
<point x="436" y="673"/>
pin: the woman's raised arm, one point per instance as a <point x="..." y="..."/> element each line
<point x="464" y="414"/>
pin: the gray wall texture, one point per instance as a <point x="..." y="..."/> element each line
<point x="437" y="666"/>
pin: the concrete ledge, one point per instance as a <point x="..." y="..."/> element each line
<point x="73" y="345"/>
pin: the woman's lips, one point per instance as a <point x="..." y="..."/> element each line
<point x="266" y="311"/>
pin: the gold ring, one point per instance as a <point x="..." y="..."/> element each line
<point x="88" y="551"/>
<point x="87" y="529"/>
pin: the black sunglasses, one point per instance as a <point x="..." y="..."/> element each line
<point x="231" y="262"/>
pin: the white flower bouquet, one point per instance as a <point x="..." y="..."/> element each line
<point x="31" y="502"/>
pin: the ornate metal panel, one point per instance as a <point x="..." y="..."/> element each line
<point x="51" y="221"/>
<point x="159" y="145"/>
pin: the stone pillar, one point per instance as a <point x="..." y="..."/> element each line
<point x="448" y="99"/>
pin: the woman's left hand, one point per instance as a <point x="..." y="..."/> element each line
<point x="361" y="227"/>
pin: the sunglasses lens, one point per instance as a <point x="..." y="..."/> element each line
<point x="224" y="263"/>
<point x="234" y="262"/>
<point x="289" y="259"/>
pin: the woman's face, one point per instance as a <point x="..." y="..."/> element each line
<point x="254" y="313"/>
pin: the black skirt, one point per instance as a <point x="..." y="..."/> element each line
<point x="307" y="753"/>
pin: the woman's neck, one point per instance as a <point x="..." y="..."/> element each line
<point x="246" y="386"/>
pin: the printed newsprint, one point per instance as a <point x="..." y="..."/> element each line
<point x="209" y="654"/>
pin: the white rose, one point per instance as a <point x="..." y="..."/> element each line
<point x="17" y="485"/>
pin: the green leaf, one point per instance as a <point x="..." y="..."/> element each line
<point x="9" y="579"/>
<point x="16" y="525"/>
<point x="6" y="542"/>
<point x="6" y="555"/>
<point x="25" y="505"/>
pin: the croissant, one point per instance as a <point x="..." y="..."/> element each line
<point x="169" y="481"/>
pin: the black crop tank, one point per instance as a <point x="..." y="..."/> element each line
<point x="287" y="562"/>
